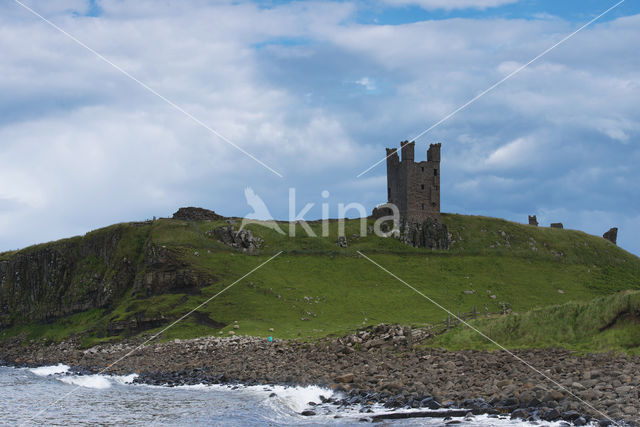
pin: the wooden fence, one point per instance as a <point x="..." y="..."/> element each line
<point x="453" y="321"/>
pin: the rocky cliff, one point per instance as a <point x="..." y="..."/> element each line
<point x="49" y="281"/>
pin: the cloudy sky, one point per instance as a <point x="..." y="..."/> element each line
<point x="316" y="91"/>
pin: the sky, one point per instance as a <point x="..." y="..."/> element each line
<point x="315" y="90"/>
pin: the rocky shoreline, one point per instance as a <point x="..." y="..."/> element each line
<point x="383" y="365"/>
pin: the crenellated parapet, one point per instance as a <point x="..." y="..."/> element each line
<point x="414" y="187"/>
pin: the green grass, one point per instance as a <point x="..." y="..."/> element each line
<point x="610" y="323"/>
<point x="315" y="288"/>
<point x="80" y="325"/>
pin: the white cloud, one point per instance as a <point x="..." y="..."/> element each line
<point x="367" y="83"/>
<point x="514" y="154"/>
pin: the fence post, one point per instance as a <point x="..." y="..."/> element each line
<point x="448" y="322"/>
<point x="474" y="313"/>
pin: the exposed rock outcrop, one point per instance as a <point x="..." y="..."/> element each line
<point x="163" y="272"/>
<point x="556" y="225"/>
<point x="243" y="240"/>
<point x="43" y="283"/>
<point x="429" y="234"/>
<point x="612" y="235"/>
<point x="196" y="214"/>
<point x="47" y="282"/>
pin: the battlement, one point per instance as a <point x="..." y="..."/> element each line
<point x="392" y="156"/>
<point x="433" y="153"/>
<point x="414" y="187"/>
<point x="408" y="150"/>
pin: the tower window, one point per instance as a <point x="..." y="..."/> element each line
<point x="423" y="206"/>
<point x="422" y="168"/>
<point x="435" y="172"/>
<point x="422" y="187"/>
<point x="389" y="193"/>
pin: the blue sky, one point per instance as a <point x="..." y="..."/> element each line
<point x="570" y="10"/>
<point x="316" y="90"/>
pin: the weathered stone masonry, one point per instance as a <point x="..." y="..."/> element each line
<point x="414" y="187"/>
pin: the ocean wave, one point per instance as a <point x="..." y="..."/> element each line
<point x="61" y="373"/>
<point x="297" y="398"/>
<point x="124" y="379"/>
<point x="44" y="371"/>
<point x="97" y="381"/>
<point x="293" y="399"/>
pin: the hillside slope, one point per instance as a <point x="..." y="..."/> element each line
<point x="131" y="278"/>
<point x="605" y="323"/>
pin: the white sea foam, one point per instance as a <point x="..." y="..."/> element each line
<point x="289" y="402"/>
<point x="294" y="399"/>
<point x="88" y="381"/>
<point x="60" y="372"/>
<point x="297" y="398"/>
<point x="44" y="371"/>
<point x="124" y="379"/>
<point x="97" y="381"/>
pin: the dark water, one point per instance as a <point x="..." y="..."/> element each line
<point x="30" y="396"/>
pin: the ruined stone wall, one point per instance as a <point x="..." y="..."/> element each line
<point x="414" y="187"/>
<point x="393" y="176"/>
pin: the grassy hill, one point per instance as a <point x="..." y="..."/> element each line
<point x="316" y="288"/>
<point x="610" y="323"/>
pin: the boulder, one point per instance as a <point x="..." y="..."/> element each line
<point x="430" y="402"/>
<point x="580" y="421"/>
<point x="570" y="415"/>
<point x="346" y="378"/>
<point x="551" y="415"/>
<point x="519" y="413"/>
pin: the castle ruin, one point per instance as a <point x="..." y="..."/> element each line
<point x="414" y="187"/>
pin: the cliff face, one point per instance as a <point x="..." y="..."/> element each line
<point x="49" y="281"/>
<point x="162" y="271"/>
<point x="46" y="282"/>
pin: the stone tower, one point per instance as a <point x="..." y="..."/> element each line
<point x="414" y="187"/>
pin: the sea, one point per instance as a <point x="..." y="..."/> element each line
<point x="54" y="395"/>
